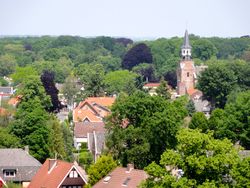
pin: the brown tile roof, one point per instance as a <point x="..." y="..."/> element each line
<point x="120" y="176"/>
<point x="81" y="129"/>
<point x="53" y="178"/>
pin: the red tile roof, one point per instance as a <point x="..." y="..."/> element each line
<point x="81" y="129"/>
<point x="118" y="177"/>
<point x="94" y="108"/>
<point x="103" y="101"/>
<point x="53" y="178"/>
<point x="152" y="85"/>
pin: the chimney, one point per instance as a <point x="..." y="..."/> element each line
<point x="130" y="166"/>
<point x="26" y="149"/>
<point x="52" y="164"/>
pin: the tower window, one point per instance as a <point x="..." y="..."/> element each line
<point x="187" y="74"/>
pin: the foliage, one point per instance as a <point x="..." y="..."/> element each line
<point x="7" y="65"/>
<point x="233" y="122"/>
<point x="141" y="127"/>
<point x="22" y="74"/>
<point x="68" y="141"/>
<point x="92" y="76"/>
<point x="140" y="53"/>
<point x="33" y="88"/>
<point x="56" y="141"/>
<point x="70" y="89"/>
<point x="47" y="79"/>
<point x="8" y="140"/>
<point x="162" y="90"/>
<point x="190" y="107"/>
<point x="241" y="173"/>
<point x="3" y="82"/>
<point x="147" y="71"/>
<point x="30" y="125"/>
<point x="216" y="82"/>
<point x="171" y="78"/>
<point x="199" y="121"/>
<point x="85" y="159"/>
<point x="204" y="160"/>
<point x="118" y="81"/>
<point x="100" y="169"/>
<point x="203" y="49"/>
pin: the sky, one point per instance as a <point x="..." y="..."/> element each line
<point x="125" y="18"/>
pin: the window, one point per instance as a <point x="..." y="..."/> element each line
<point x="10" y="173"/>
<point x="187" y="74"/>
<point x="73" y="174"/>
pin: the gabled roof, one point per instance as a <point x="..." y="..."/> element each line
<point x="52" y="177"/>
<point x="82" y="129"/>
<point x="120" y="178"/>
<point x="25" y="165"/>
<point x="94" y="108"/>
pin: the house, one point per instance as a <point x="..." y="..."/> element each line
<point x="122" y="177"/>
<point x="16" y="165"/>
<point x="151" y="88"/>
<point x="93" y="109"/>
<point x="82" y="129"/>
<point x="59" y="174"/>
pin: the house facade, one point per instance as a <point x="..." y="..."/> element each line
<point x="59" y="174"/>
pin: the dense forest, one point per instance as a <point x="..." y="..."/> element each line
<point x="159" y="131"/>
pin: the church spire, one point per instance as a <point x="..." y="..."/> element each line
<point x="186" y="47"/>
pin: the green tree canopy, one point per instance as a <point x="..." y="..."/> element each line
<point x="142" y="126"/>
<point x="118" y="81"/>
<point x="216" y="82"/>
<point x="100" y="169"/>
<point x="204" y="161"/>
<point x="92" y="76"/>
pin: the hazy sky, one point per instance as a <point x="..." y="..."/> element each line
<point x="131" y="18"/>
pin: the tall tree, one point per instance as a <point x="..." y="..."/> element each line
<point x="141" y="127"/>
<point x="47" y="79"/>
<point x="140" y="53"/>
<point x="92" y="77"/>
<point x="216" y="82"/>
<point x="162" y="90"/>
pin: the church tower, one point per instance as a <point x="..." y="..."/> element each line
<point x="186" y="70"/>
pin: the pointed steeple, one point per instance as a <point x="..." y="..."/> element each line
<point x="186" y="47"/>
<point x="186" y="44"/>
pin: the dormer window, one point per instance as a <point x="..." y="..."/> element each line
<point x="9" y="173"/>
